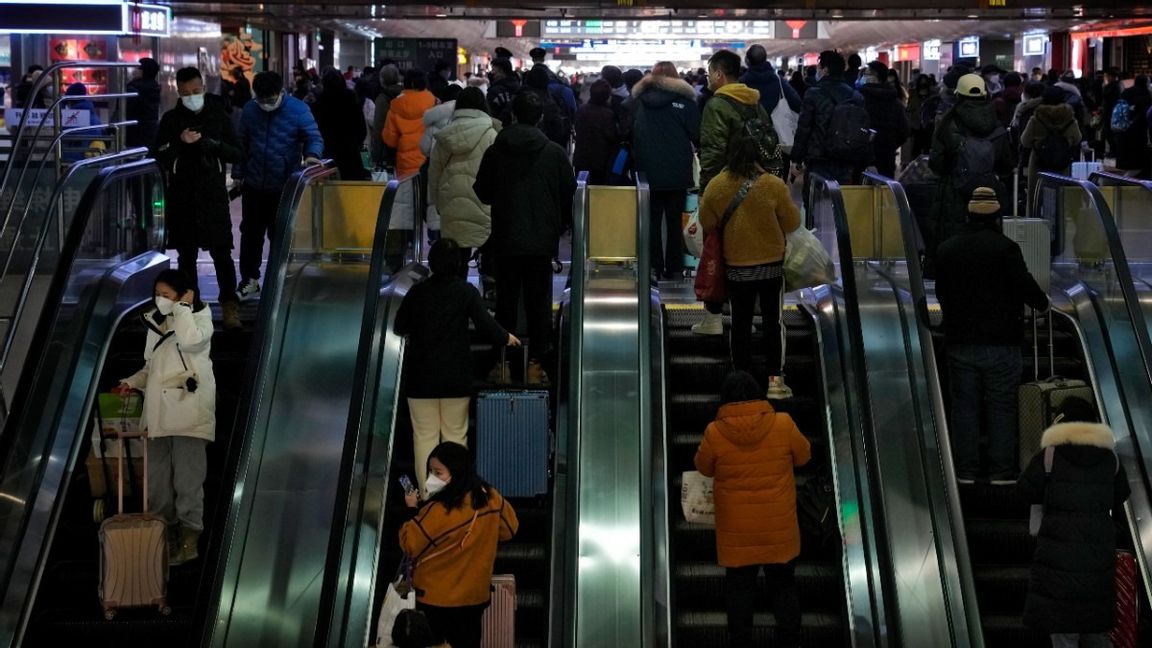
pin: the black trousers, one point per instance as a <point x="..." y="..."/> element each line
<point x="667" y="215"/>
<point x="460" y="626"/>
<point x="742" y="295"/>
<point x="740" y="583"/>
<point x="530" y="276"/>
<point x="259" y="208"/>
<point x="225" y="271"/>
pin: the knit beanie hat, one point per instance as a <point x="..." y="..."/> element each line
<point x="984" y="202"/>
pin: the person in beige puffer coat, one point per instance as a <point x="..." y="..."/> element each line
<point x="455" y="161"/>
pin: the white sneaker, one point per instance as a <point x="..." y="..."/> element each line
<point x="777" y="390"/>
<point x="249" y="290"/>
<point x="712" y="325"/>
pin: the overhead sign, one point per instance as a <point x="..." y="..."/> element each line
<point x="968" y="48"/>
<point x="417" y="53"/>
<point x="1034" y="44"/>
<point x="796" y="29"/>
<point x="93" y="17"/>
<point x="518" y="29"/>
<point x="649" y="29"/>
<point x="931" y="50"/>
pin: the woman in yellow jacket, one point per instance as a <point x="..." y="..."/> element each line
<point x="452" y="542"/>
<point x="750" y="450"/>
<point x="405" y="123"/>
<point x="754" y="241"/>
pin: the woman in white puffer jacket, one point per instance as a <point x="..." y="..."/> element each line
<point x="179" y="408"/>
<point x="452" y="171"/>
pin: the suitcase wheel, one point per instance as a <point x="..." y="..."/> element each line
<point x="98" y="511"/>
<point x="165" y="609"/>
<point x="109" y="614"/>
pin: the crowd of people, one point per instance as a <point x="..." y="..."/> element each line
<point x="500" y="153"/>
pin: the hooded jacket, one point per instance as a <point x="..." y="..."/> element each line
<point x="982" y="284"/>
<point x="1048" y="120"/>
<point x="764" y="79"/>
<point x="275" y="143"/>
<point x="197" y="207"/>
<point x="528" y="181"/>
<point x="665" y="127"/>
<point x="455" y="161"/>
<point x="455" y="549"/>
<point x="1072" y="587"/>
<point x="188" y="343"/>
<point x="887" y="116"/>
<point x="720" y="120"/>
<point x="751" y="450"/>
<point x="814" y="132"/>
<point x="435" y="120"/>
<point x="404" y="127"/>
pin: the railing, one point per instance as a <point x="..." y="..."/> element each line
<point x="936" y="442"/>
<point x="89" y="293"/>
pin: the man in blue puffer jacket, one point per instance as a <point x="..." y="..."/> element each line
<point x="277" y="131"/>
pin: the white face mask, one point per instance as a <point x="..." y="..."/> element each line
<point x="164" y="305"/>
<point x="195" y="102"/>
<point x="274" y="105"/>
<point x="434" y="484"/>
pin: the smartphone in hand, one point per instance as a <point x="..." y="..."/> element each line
<point x="406" y="484"/>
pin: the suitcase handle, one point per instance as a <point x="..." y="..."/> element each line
<point x="504" y="369"/>
<point x="1036" y="346"/>
<point x="120" y="462"/>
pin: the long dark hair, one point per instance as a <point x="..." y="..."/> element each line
<point x="740" y="386"/>
<point x="179" y="282"/>
<point x="458" y="460"/>
<point x="743" y="155"/>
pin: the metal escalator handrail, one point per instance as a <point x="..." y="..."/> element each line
<point x="267" y="338"/>
<point x="1132" y="306"/>
<point x="962" y="563"/>
<point x="338" y="624"/>
<point x="873" y="529"/>
<point x="25" y="288"/>
<point x="561" y="626"/>
<point x="13" y="543"/>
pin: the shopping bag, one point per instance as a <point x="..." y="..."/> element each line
<point x="399" y="597"/>
<point x="120" y="414"/>
<point x="696" y="498"/>
<point x="694" y="235"/>
<point x="806" y="262"/>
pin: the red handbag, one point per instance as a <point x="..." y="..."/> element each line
<point x="712" y="274"/>
<point x="1127" y="601"/>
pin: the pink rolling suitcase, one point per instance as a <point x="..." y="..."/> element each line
<point x="133" y="554"/>
<point x="499" y="621"/>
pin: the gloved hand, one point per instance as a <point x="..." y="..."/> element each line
<point x="311" y="161"/>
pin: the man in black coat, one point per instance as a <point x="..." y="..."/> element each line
<point x="886" y="111"/>
<point x="529" y="183"/>
<point x="194" y="142"/>
<point x="1071" y="592"/>
<point x="145" y="106"/>
<point x="814" y="132"/>
<point x="983" y="285"/>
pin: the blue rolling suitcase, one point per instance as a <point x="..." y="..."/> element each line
<point x="512" y="440"/>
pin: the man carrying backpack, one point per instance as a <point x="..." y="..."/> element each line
<point x="833" y="137"/>
<point x="555" y="123"/>
<point x="1053" y="136"/>
<point x="970" y="149"/>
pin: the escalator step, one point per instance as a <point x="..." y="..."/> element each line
<point x="999" y="542"/>
<point x="696" y="543"/>
<point x="987" y="501"/>
<point x="1001" y="589"/>
<point x="711" y="629"/>
<point x="1008" y="631"/>
<point x="701" y="586"/>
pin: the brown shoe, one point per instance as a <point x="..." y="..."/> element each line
<point x="188" y="549"/>
<point x="232" y="316"/>
<point x="536" y="374"/>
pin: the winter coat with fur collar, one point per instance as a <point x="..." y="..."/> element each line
<point x="666" y="124"/>
<point x="1071" y="589"/>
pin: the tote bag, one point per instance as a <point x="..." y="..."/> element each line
<point x="696" y="498"/>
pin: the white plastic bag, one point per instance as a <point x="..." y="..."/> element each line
<point x="394" y="603"/>
<point x="806" y="262"/>
<point x="696" y="498"/>
<point x="694" y="235"/>
<point x="784" y="120"/>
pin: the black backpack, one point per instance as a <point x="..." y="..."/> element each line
<point x="816" y="511"/>
<point x="553" y="124"/>
<point x="758" y="125"/>
<point x="1053" y="153"/>
<point x="976" y="162"/>
<point x="850" y="133"/>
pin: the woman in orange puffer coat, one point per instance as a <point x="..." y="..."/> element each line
<point x="751" y="451"/>
<point x="405" y="123"/>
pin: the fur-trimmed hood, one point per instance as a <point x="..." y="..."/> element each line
<point x="658" y="82"/>
<point x="1094" y="435"/>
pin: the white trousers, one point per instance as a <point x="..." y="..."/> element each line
<point x="435" y="420"/>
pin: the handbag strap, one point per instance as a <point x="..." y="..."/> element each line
<point x="735" y="203"/>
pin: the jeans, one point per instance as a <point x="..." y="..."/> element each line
<point x="259" y="207"/>
<point x="460" y="626"/>
<point x="668" y="213"/>
<point x="435" y="420"/>
<point x="177" y="466"/>
<point x="1093" y="640"/>
<point x="742" y="295"/>
<point x="984" y="379"/>
<point x="740" y="583"/>
<point x="225" y="271"/>
<point x="532" y="276"/>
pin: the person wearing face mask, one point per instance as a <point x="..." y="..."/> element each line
<point x="177" y="367"/>
<point x="451" y="540"/>
<point x="921" y="139"/>
<point x="194" y="143"/>
<point x="277" y="132"/>
<point x="886" y="114"/>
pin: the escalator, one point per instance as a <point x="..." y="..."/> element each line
<point x="1096" y="339"/>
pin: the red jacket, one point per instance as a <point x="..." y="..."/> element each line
<point x="751" y="451"/>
